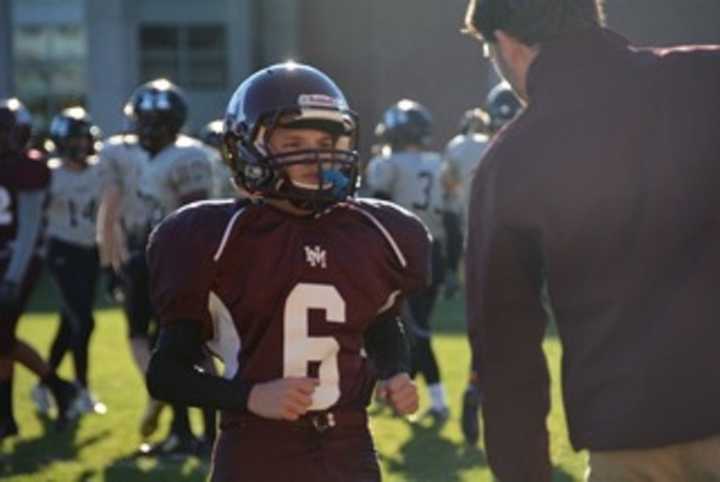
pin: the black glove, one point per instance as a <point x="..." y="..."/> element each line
<point x="113" y="286"/>
<point x="452" y="284"/>
<point x="9" y="296"/>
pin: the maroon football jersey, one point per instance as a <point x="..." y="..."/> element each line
<point x="286" y="296"/>
<point x="18" y="172"/>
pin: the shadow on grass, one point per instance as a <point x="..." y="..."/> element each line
<point x="124" y="469"/>
<point x="427" y="456"/>
<point x="559" y="475"/>
<point x="29" y="456"/>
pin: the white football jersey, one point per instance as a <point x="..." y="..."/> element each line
<point x="462" y="156"/>
<point x="73" y="200"/>
<point x="412" y="180"/>
<point x="153" y="186"/>
<point x="223" y="186"/>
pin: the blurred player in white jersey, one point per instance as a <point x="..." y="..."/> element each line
<point x="76" y="183"/>
<point x="152" y="172"/>
<point x="462" y="155"/>
<point x="212" y="136"/>
<point x="409" y="174"/>
<point x="502" y="107"/>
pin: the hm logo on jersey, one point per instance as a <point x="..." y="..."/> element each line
<point x="316" y="256"/>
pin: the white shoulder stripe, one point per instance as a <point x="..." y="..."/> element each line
<point x="226" y="342"/>
<point x="226" y="235"/>
<point x="389" y="302"/>
<point x="384" y="231"/>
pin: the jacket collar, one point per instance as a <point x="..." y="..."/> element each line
<point x="567" y="65"/>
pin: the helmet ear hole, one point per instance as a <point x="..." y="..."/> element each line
<point x="255" y="175"/>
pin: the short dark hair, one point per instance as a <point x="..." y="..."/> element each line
<point x="532" y="21"/>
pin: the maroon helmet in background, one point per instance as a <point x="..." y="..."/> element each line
<point x="291" y="95"/>
<point x="15" y="125"/>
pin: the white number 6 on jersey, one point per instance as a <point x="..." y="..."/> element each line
<point x="299" y="347"/>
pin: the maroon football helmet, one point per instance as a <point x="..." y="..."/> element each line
<point x="291" y="95"/>
<point x="15" y="125"/>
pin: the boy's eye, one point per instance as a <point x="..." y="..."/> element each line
<point x="290" y="145"/>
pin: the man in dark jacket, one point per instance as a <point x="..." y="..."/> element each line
<point x="602" y="198"/>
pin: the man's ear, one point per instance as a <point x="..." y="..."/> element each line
<point x="515" y="60"/>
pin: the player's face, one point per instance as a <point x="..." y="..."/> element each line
<point x="77" y="148"/>
<point x="286" y="140"/>
<point x="153" y="134"/>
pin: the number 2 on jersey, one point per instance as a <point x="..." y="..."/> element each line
<point x="6" y="214"/>
<point x="300" y="349"/>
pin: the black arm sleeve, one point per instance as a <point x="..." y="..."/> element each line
<point x="172" y="375"/>
<point x="452" y="222"/>
<point x="387" y="346"/>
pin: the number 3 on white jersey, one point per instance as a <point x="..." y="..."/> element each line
<point x="6" y="215"/>
<point x="299" y="347"/>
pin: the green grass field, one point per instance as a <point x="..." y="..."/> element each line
<point x="97" y="447"/>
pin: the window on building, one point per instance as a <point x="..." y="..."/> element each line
<point x="192" y="56"/>
<point x="50" y="67"/>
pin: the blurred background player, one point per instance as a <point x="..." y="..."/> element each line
<point x="75" y="187"/>
<point x="152" y="172"/>
<point x="502" y="107"/>
<point x="212" y="136"/>
<point x="462" y="155"/>
<point x="24" y="178"/>
<point x="409" y="174"/>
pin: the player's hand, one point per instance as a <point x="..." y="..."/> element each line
<point x="9" y="294"/>
<point x="113" y="286"/>
<point x="400" y="392"/>
<point x="282" y="399"/>
<point x="118" y="249"/>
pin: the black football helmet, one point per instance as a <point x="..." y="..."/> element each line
<point x="474" y="121"/>
<point x="405" y="123"/>
<point x="157" y="110"/>
<point x="71" y="124"/>
<point x="15" y="125"/>
<point x="213" y="134"/>
<point x="291" y="95"/>
<point x="502" y="105"/>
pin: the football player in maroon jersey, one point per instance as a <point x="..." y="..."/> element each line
<point x="297" y="288"/>
<point x="23" y="180"/>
